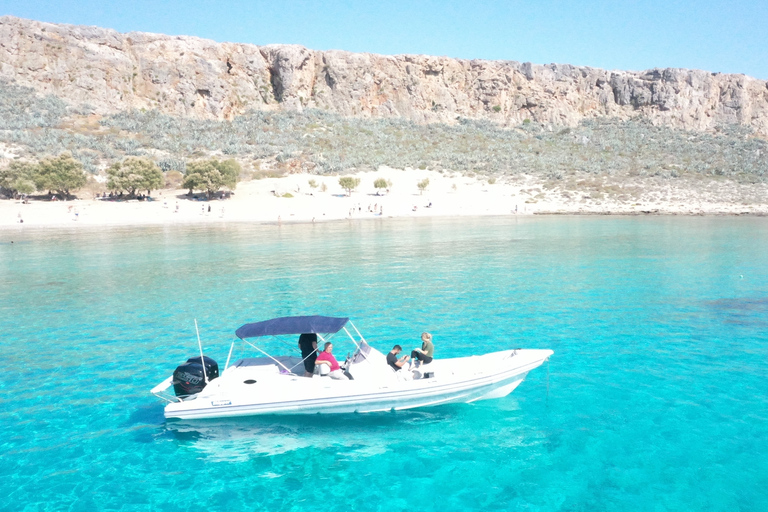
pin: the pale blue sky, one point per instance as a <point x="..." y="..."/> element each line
<point x="724" y="36"/>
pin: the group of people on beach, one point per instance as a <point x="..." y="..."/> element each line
<point x="119" y="196"/>
<point x="313" y="359"/>
<point x="375" y="209"/>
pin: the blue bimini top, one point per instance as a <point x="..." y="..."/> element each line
<point x="292" y="325"/>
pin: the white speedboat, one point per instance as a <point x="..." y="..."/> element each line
<point x="277" y="385"/>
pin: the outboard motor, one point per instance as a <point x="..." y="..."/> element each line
<point x="189" y="379"/>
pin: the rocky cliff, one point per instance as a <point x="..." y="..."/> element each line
<point x="107" y="71"/>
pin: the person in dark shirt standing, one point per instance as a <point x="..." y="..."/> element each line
<point x="395" y="362"/>
<point x="308" y="346"/>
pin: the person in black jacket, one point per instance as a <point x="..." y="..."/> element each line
<point x="308" y="346"/>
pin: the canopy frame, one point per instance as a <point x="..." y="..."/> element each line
<point x="325" y="327"/>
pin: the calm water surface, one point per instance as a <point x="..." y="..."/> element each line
<point x="655" y="399"/>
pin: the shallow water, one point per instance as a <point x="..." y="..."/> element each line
<point x="655" y="398"/>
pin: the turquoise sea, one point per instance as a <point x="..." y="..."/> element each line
<point x="656" y="397"/>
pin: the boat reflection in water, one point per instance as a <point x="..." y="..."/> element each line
<point x="240" y="439"/>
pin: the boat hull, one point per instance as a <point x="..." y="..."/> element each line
<point x="484" y="377"/>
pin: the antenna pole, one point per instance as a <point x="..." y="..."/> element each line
<point x="200" y="345"/>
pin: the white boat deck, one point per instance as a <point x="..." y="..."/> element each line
<point x="259" y="386"/>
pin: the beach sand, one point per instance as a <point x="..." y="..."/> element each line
<point x="262" y="201"/>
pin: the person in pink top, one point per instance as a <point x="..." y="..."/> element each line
<point x="326" y="358"/>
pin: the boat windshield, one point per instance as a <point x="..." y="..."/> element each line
<point x="361" y="354"/>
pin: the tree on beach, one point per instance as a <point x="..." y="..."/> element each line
<point x="231" y="170"/>
<point x="423" y="184"/>
<point x="349" y="184"/>
<point x="212" y="175"/>
<point x="381" y="183"/>
<point x="18" y="178"/>
<point x="134" y="174"/>
<point x="61" y="174"/>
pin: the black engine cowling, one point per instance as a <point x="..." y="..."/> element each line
<point x="189" y="379"/>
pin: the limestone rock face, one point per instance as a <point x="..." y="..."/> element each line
<point x="187" y="76"/>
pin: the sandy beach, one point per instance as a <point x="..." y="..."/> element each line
<point x="291" y="199"/>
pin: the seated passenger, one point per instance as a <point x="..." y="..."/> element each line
<point x="427" y="350"/>
<point x="392" y="359"/>
<point x="326" y="358"/>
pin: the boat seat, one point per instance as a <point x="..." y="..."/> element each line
<point x="321" y="370"/>
<point x="403" y="375"/>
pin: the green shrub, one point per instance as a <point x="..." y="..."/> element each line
<point x="212" y="175"/>
<point x="62" y="174"/>
<point x="134" y="174"/>
<point x="18" y="178"/>
<point x="349" y="184"/>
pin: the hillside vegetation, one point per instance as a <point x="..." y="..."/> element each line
<point x="33" y="127"/>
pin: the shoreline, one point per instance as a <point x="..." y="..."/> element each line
<point x="291" y="200"/>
